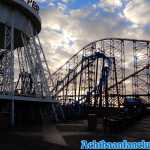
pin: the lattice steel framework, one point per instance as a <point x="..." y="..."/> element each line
<point x="130" y="72"/>
<point x="32" y="73"/>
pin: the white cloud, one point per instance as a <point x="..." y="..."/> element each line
<point x="110" y="5"/>
<point x="137" y="11"/>
<point x="63" y="34"/>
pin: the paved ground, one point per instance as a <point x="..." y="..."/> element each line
<point x="67" y="136"/>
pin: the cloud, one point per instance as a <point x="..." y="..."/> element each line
<point x="138" y="12"/>
<point x="41" y="1"/>
<point x="66" y="31"/>
<point x="110" y="5"/>
<point x="67" y="1"/>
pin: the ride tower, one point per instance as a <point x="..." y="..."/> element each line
<point x="24" y="71"/>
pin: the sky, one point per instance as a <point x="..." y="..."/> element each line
<point x="68" y="25"/>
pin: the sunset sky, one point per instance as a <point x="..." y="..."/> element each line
<point x="68" y="25"/>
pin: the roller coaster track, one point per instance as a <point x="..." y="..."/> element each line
<point x="131" y="75"/>
<point x="80" y="76"/>
<point x="84" y="63"/>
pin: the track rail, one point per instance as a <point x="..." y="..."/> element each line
<point x="130" y="75"/>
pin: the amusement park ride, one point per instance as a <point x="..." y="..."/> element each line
<point x="101" y="75"/>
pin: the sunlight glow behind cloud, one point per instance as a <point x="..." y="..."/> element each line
<point x="66" y="29"/>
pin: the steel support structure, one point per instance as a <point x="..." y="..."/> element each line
<point x="130" y="74"/>
<point x="33" y="75"/>
<point x="24" y="71"/>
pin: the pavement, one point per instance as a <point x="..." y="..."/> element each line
<point x="67" y="135"/>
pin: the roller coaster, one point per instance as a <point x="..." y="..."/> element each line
<point x="104" y="73"/>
